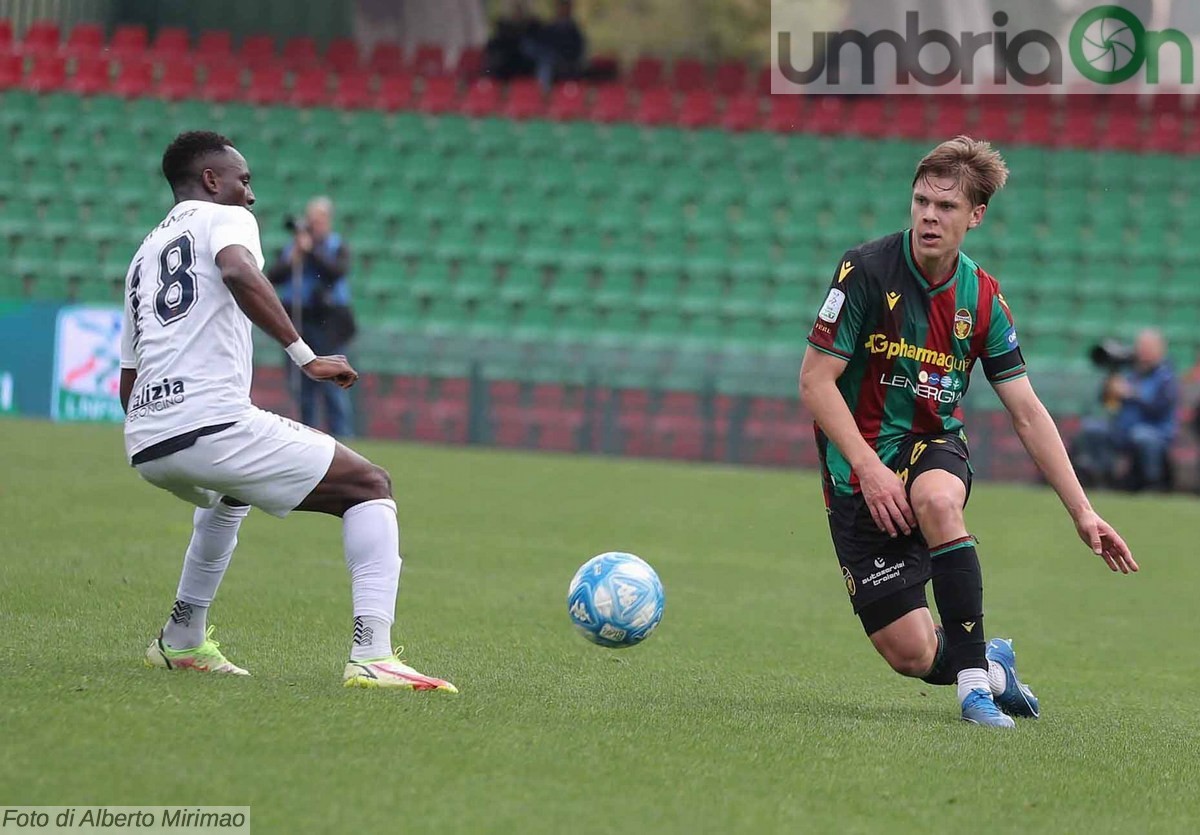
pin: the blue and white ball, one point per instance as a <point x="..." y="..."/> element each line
<point x="616" y="600"/>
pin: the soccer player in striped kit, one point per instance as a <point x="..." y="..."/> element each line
<point x="888" y="362"/>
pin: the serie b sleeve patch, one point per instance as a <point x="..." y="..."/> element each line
<point x="833" y="306"/>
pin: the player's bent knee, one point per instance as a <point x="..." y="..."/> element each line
<point x="379" y="483"/>
<point x="938" y="505"/>
<point x="912" y="661"/>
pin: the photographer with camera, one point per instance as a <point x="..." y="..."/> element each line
<point x="1141" y="403"/>
<point x="311" y="277"/>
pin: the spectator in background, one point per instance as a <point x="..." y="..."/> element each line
<point x="504" y="55"/>
<point x="311" y="275"/>
<point x="556" y="48"/>
<point x="1142" y="421"/>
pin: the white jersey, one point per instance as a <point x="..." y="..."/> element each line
<point x="183" y="332"/>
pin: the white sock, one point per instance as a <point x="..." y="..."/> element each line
<point x="214" y="536"/>
<point x="970" y="679"/>
<point x="371" y="536"/>
<point x="997" y="678"/>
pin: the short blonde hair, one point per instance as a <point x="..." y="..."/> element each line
<point x="977" y="167"/>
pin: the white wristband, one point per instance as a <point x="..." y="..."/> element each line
<point x="300" y="353"/>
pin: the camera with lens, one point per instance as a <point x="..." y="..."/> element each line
<point x="293" y="224"/>
<point x="1111" y="355"/>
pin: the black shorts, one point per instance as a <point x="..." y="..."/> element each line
<point x="886" y="577"/>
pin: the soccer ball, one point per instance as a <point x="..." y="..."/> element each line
<point x="615" y="600"/>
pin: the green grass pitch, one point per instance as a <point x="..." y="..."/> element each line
<point x="758" y="706"/>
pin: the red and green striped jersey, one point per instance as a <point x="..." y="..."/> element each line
<point x="909" y="346"/>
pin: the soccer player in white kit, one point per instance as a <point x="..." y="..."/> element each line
<point x="191" y="294"/>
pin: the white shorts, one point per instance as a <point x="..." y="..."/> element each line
<point x="263" y="460"/>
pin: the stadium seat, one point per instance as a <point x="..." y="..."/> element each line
<point x="11" y="70"/>
<point x="611" y="104"/>
<point x="257" y="51"/>
<point x="178" y="81"/>
<point x="699" y="109"/>
<point x="741" y="113"/>
<point x="214" y="44"/>
<point x="396" y="92"/>
<point x="440" y="95"/>
<point x="469" y="63"/>
<point x="84" y="39"/>
<point x="524" y="100"/>
<point x="49" y="72"/>
<point x="267" y="85"/>
<point x="342" y="55"/>
<point x="429" y="60"/>
<point x="300" y="53"/>
<point x="689" y="74"/>
<point x="482" y="98"/>
<point x="387" y="59"/>
<point x="647" y="72"/>
<point x="222" y="83"/>
<point x="41" y="37"/>
<point x="129" y="41"/>
<point x="352" y="91"/>
<point x="172" y="43"/>
<point x="730" y="78"/>
<point x="6" y="34"/>
<point x="135" y="78"/>
<point x="311" y="88"/>
<point x="568" y="102"/>
<point x="786" y="114"/>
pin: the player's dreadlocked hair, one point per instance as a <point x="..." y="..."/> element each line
<point x="179" y="160"/>
<point x="976" y="165"/>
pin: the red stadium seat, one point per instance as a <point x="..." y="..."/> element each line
<point x="785" y="114"/>
<point x="440" y="95"/>
<point x="49" y="72"/>
<point x="301" y="53"/>
<point x="909" y="118"/>
<point x="353" y="91"/>
<point x="214" y="43"/>
<point x="429" y="60"/>
<point x="92" y="75"/>
<point x="41" y="36"/>
<point x="178" y="81"/>
<point x="172" y="42"/>
<point x="11" y="69"/>
<point x="342" y="55"/>
<point x="223" y="82"/>
<point x="6" y="34"/>
<point x="524" y="100"/>
<point x="826" y="115"/>
<point x="128" y="41"/>
<point x="1037" y="125"/>
<point x="135" y="78"/>
<point x="656" y="107"/>
<point x="395" y="92"/>
<point x="611" y="104"/>
<point x="1166" y="135"/>
<point x="1124" y="131"/>
<point x="257" y="51"/>
<point x="730" y="78"/>
<point x="311" y="88"/>
<point x="993" y="119"/>
<point x="647" y="72"/>
<point x="386" y="59"/>
<point x="470" y="63"/>
<point x="85" y="39"/>
<point x="482" y="99"/>
<point x="762" y="82"/>
<point x="689" y="74"/>
<point x="743" y="113"/>
<point x="868" y="116"/>
<point x="567" y="102"/>
<point x="698" y="110"/>
<point x="267" y="85"/>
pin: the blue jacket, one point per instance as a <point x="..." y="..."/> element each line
<point x="1155" y="401"/>
<point x="318" y="289"/>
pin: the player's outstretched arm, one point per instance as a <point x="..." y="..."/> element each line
<point x="1035" y="427"/>
<point x="256" y="297"/>
<point x="881" y="488"/>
